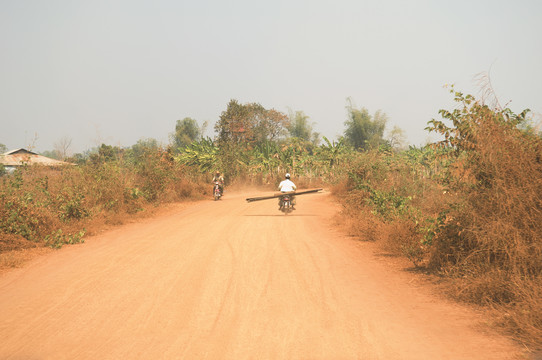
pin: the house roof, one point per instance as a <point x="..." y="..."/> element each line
<point x="20" y="157"/>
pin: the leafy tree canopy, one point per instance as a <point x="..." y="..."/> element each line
<point x="187" y="131"/>
<point x="250" y="124"/>
<point x="106" y="153"/>
<point x="468" y="118"/>
<point x="142" y="147"/>
<point x="300" y="127"/>
<point x="364" y="131"/>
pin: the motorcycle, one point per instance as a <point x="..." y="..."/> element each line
<point x="217" y="194"/>
<point x="286" y="204"/>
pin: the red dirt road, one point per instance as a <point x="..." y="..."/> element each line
<point x="231" y="280"/>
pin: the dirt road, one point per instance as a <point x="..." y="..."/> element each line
<point x="230" y="280"/>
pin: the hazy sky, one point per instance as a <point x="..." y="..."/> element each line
<point x="119" y="71"/>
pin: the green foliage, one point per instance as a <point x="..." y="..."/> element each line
<point x="18" y="211"/>
<point x="201" y="154"/>
<point x="58" y="238"/>
<point x="495" y="165"/>
<point x="489" y="235"/>
<point x="264" y="159"/>
<point x="431" y="227"/>
<point x="3" y="149"/>
<point x="385" y="180"/>
<point x="16" y="181"/>
<point x="388" y="204"/>
<point x="54" y="205"/>
<point x="364" y="131"/>
<point x="332" y="152"/>
<point x="300" y="127"/>
<point x="106" y="153"/>
<point x="71" y="202"/>
<point x="17" y="219"/>
<point x="401" y="191"/>
<point x="186" y="132"/>
<point x="469" y="118"/>
<point x="78" y="158"/>
<point x="468" y="206"/>
<point x="139" y="150"/>
<point x="155" y="170"/>
<point x="249" y="124"/>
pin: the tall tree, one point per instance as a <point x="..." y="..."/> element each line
<point x="139" y="149"/>
<point x="268" y="125"/>
<point x="187" y="131"/>
<point x="364" y="131"/>
<point x="3" y="148"/>
<point x="300" y="127"/>
<point x="249" y="124"/>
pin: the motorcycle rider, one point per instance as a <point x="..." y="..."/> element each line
<point x="287" y="185"/>
<point x="220" y="179"/>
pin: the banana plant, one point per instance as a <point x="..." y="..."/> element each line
<point x="201" y="154"/>
<point x="330" y="151"/>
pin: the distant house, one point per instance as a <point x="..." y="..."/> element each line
<point x="20" y="157"/>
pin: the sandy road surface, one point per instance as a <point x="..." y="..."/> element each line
<point x="229" y="280"/>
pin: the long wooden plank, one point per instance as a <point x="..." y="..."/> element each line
<point x="276" y="195"/>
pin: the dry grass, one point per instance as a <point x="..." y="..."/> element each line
<point x="18" y="258"/>
<point x="39" y="202"/>
<point x="477" y="222"/>
<point x="11" y="259"/>
<point x="493" y="245"/>
<point x="59" y="206"/>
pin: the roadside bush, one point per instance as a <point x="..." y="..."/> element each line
<point x="59" y="206"/>
<point x="492" y="236"/>
<point x="392" y="192"/>
<point x="468" y="208"/>
<point x="22" y="202"/>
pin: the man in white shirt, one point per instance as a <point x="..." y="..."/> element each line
<point x="287" y="185"/>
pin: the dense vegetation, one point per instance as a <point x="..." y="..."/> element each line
<point x="467" y="208"/>
<point x="58" y="206"/>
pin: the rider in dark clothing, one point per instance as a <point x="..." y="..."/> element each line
<point x="220" y="179"/>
